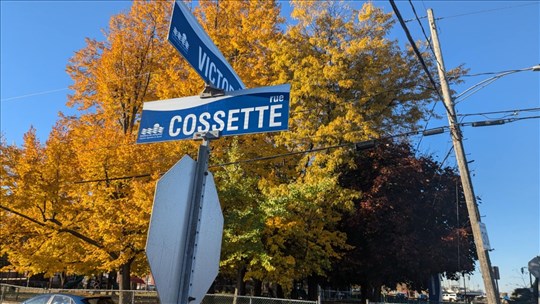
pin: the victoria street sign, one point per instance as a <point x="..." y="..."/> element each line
<point x="190" y="39"/>
<point x="259" y="110"/>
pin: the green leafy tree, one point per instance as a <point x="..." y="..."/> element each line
<point x="240" y="200"/>
<point x="300" y="234"/>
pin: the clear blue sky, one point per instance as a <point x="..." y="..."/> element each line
<point x="38" y="38"/>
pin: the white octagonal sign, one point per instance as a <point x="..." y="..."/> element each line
<point x="166" y="241"/>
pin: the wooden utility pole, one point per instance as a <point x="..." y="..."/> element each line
<point x="470" y="199"/>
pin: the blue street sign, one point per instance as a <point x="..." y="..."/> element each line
<point x="259" y="110"/>
<point x="190" y="39"/>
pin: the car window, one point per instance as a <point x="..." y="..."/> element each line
<point x="38" y="300"/>
<point x="60" y="299"/>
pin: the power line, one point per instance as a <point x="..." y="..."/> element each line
<point x="514" y="112"/>
<point x="498" y="121"/>
<point x="415" y="48"/>
<point x="477" y="12"/>
<point x="424" y="132"/>
<point x="67" y="88"/>
<point x="427" y="132"/>
<point x="477" y="87"/>
<point x="422" y="27"/>
<point x="265" y="157"/>
<point x="493" y="73"/>
<point x="34" y="94"/>
<point x="420" y="58"/>
<point x="281" y="155"/>
<point x="113" y="179"/>
<point x="488" y="10"/>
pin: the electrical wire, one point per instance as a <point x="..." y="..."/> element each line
<point x="257" y="158"/>
<point x="415" y="48"/>
<point x="420" y="58"/>
<point x="488" y="10"/>
<point x="445" y="128"/>
<point x="493" y="73"/>
<point x="65" y="89"/>
<point x="427" y="123"/>
<point x="409" y="133"/>
<point x="514" y="112"/>
<point x="477" y="12"/>
<point x="501" y="121"/>
<point x="113" y="179"/>
<point x="281" y="155"/>
<point x="482" y="84"/>
<point x="35" y="94"/>
<point x="433" y="52"/>
<point x="422" y="27"/>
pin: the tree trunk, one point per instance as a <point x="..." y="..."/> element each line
<point x="535" y="288"/>
<point x="364" y="289"/>
<point x="62" y="279"/>
<point x="377" y="293"/>
<point x="111" y="280"/>
<point x="240" y="284"/>
<point x="279" y="291"/>
<point x="313" y="288"/>
<point x="125" y="283"/>
<point x="257" y="288"/>
<point x="125" y="272"/>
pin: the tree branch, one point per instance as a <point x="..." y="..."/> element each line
<point x="76" y="234"/>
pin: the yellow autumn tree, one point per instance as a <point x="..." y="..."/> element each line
<point x="349" y="83"/>
<point x="93" y="211"/>
<point x="112" y="79"/>
<point x="38" y="211"/>
<point x="245" y="31"/>
<point x="113" y="188"/>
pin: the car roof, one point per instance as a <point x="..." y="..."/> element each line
<point x="77" y="295"/>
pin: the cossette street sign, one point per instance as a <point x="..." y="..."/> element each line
<point x="264" y="109"/>
<point x="190" y="39"/>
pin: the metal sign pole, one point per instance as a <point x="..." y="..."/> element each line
<point x="195" y="207"/>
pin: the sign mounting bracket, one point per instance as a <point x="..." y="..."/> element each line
<point x="211" y="91"/>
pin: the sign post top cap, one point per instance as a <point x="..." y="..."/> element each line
<point x="214" y="134"/>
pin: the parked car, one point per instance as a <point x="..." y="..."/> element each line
<point x="449" y="297"/>
<point x="63" y="298"/>
<point x="479" y="299"/>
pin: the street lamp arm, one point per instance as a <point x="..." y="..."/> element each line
<point x="475" y="88"/>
